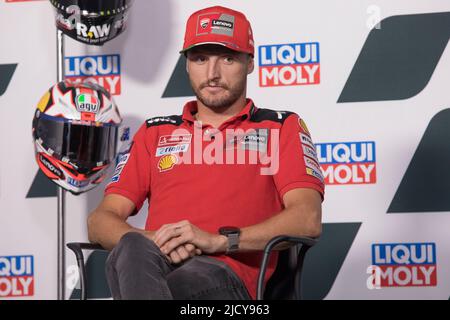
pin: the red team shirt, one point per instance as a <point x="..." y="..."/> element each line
<point x="235" y="175"/>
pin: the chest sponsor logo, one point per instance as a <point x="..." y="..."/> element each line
<point x="167" y="162"/>
<point x="234" y="146"/>
<point x="256" y="141"/>
<point x="171" y="149"/>
<point x="174" y="139"/>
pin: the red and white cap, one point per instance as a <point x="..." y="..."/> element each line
<point x="219" y="25"/>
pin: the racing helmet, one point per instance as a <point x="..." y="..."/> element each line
<point x="90" y="21"/>
<point x="75" y="133"/>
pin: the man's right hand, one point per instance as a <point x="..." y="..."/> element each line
<point x="107" y="224"/>
<point x="183" y="253"/>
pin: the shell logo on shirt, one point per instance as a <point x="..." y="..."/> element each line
<point x="167" y="162"/>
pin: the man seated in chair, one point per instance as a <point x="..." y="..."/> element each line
<point x="221" y="179"/>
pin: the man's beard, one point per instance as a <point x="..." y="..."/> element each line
<point x="223" y="100"/>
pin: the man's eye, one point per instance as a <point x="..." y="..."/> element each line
<point x="228" y="59"/>
<point x="200" y="59"/>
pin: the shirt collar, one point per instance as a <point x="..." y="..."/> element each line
<point x="190" y="108"/>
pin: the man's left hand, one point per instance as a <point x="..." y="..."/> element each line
<point x="171" y="236"/>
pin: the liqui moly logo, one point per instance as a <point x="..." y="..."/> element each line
<point x="103" y="70"/>
<point x="404" y="265"/>
<point x="347" y="162"/>
<point x="16" y="276"/>
<point x="289" y="64"/>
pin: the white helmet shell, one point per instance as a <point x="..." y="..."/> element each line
<point x="75" y="131"/>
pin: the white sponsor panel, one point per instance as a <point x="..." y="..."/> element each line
<point x="172" y="149"/>
<point x="174" y="139"/>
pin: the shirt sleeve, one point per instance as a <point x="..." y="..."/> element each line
<point x="131" y="177"/>
<point x="298" y="164"/>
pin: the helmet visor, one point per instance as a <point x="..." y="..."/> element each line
<point x="83" y="144"/>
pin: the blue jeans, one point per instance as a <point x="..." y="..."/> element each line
<point x="136" y="269"/>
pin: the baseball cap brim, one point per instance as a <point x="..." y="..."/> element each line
<point x="229" y="46"/>
<point x="205" y="43"/>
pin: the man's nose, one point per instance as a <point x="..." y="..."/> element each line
<point x="213" y="69"/>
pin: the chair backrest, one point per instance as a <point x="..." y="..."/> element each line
<point x="285" y="282"/>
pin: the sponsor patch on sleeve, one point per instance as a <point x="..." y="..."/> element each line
<point x="310" y="152"/>
<point x="315" y="173"/>
<point x="122" y="161"/>
<point x="310" y="163"/>
<point x="303" y="126"/>
<point x="305" y="139"/>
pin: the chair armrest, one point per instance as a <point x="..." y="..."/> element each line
<point x="304" y="241"/>
<point x="77" y="248"/>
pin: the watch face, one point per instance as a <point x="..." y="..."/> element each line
<point x="229" y="230"/>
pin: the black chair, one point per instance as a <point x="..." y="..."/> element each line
<point x="284" y="284"/>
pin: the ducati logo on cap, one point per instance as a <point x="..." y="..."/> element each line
<point x="204" y="23"/>
<point x="216" y="23"/>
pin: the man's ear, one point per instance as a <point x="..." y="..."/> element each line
<point x="187" y="65"/>
<point x="251" y="64"/>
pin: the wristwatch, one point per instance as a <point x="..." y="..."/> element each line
<point x="232" y="233"/>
